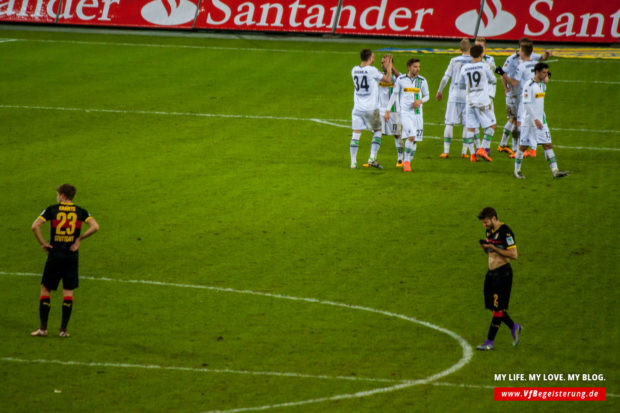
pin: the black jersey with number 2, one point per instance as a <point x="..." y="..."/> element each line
<point x="502" y="237"/>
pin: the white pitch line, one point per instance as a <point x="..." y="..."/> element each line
<point x="330" y="122"/>
<point x="468" y="386"/>
<point x="327" y="122"/>
<point x="199" y="370"/>
<point x="603" y="82"/>
<point x="7" y="40"/>
<point x="459" y="139"/>
<point x="467" y="351"/>
<point x="154" y="112"/>
<point x="402" y="383"/>
<point x="229" y="371"/>
<point x="348" y="125"/>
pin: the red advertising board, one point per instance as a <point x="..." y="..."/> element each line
<point x="268" y="15"/>
<point x="595" y="21"/>
<point x="42" y="11"/>
<point x="541" y="20"/>
<point x="175" y="14"/>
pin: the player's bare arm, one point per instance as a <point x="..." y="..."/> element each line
<point x="387" y="76"/>
<point x="93" y="227"/>
<point x="509" y="80"/>
<point x="36" y="228"/>
<point x="506" y="85"/>
<point x="510" y="253"/>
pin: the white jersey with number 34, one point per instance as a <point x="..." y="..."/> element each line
<point x="366" y="88"/>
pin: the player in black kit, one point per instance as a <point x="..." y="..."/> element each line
<point x="500" y="246"/>
<point x="66" y="221"/>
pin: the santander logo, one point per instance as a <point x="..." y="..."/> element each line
<point x="494" y="21"/>
<point x="169" y="12"/>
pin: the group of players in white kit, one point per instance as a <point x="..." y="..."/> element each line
<point x="390" y="103"/>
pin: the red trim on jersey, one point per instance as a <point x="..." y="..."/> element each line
<point x="498" y="313"/>
<point x="78" y="224"/>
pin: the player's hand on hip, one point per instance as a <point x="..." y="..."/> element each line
<point x="539" y="124"/>
<point x="74" y="247"/>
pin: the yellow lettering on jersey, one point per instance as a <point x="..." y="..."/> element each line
<point x="64" y="238"/>
<point x="539" y="95"/>
<point x="63" y="218"/>
<point x="412" y="89"/>
<point x="66" y="208"/>
<point x="386" y="84"/>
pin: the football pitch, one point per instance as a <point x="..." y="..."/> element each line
<point x="242" y="265"/>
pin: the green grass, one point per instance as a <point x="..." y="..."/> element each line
<point x="269" y="205"/>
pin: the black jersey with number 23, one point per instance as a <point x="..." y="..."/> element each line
<point x="66" y="223"/>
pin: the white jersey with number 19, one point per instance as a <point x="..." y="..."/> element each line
<point x="475" y="78"/>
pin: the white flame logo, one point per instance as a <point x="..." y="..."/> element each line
<point x="169" y="12"/>
<point x="494" y="21"/>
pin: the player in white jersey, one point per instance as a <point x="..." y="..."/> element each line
<point x="523" y="74"/>
<point x="410" y="92"/>
<point x="365" y="114"/>
<point x="391" y="126"/>
<point x="475" y="78"/>
<point x="510" y="67"/>
<point x="534" y="129"/>
<point x="491" y="88"/>
<point x="455" y="107"/>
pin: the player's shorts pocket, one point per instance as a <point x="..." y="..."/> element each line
<point x="375" y="122"/>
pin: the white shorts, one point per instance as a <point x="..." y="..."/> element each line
<point x="370" y="119"/>
<point x="512" y="106"/>
<point x="479" y="117"/>
<point x="392" y="126"/>
<point x="493" y="113"/>
<point x="519" y="111"/>
<point x="413" y="126"/>
<point x="532" y="136"/>
<point x="454" y="113"/>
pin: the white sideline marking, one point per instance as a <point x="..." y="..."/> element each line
<point x="330" y="122"/>
<point x="604" y="82"/>
<point x="153" y="112"/>
<point x="326" y="122"/>
<point x="198" y="370"/>
<point x="460" y="139"/>
<point x="467" y="351"/>
<point x="348" y="125"/>
<point x="7" y="40"/>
